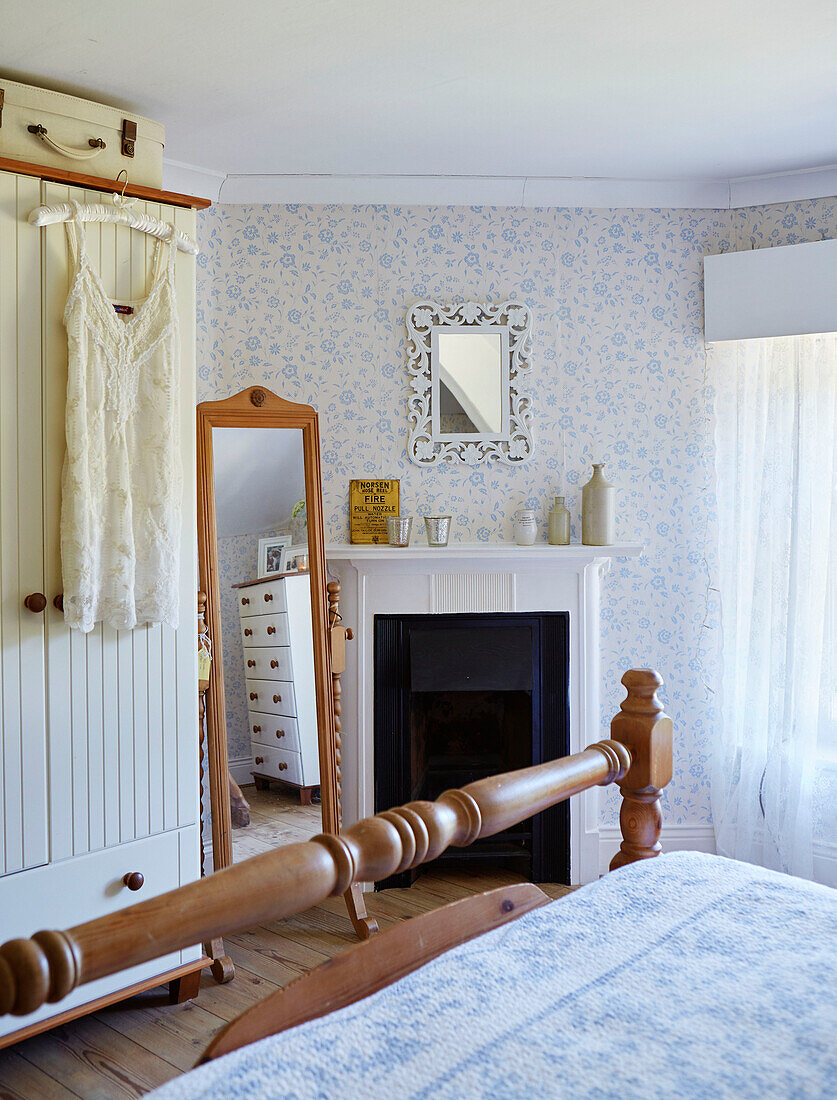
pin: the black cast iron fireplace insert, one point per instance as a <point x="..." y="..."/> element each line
<point x="461" y="697"/>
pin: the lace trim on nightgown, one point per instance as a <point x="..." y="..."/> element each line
<point x="122" y="482"/>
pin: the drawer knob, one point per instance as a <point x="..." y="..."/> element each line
<point x="251" y="664"/>
<point x="280" y="733"/>
<point x="283" y="766"/>
<point x="254" y="695"/>
<point x="260" y="760"/>
<point x="58" y="602"/>
<point x="134" y="880"/>
<point x="271" y="630"/>
<point x="248" y="632"/>
<point x="36" y="602"/>
<point x="277" y="698"/>
<point x="268" y="596"/>
<point x="257" y="729"/>
<point x="245" y="600"/>
<point x="274" y="664"/>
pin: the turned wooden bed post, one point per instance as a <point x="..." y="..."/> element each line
<point x="643" y="728"/>
<point x="292" y="878"/>
<point x="222" y="965"/>
<point x="364" y="925"/>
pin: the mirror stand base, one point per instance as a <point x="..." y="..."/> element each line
<point x="364" y="925"/>
<point x="223" y="970"/>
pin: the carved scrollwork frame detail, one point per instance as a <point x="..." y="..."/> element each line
<point x="514" y="448"/>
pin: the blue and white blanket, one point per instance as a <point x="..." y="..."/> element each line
<point x="688" y="976"/>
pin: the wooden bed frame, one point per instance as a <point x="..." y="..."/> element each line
<point x="293" y="878"/>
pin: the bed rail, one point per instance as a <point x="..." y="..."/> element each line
<point x="293" y="878"/>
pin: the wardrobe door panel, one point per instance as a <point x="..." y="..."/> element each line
<point x="154" y="650"/>
<point x="23" y="777"/>
<point x="123" y="715"/>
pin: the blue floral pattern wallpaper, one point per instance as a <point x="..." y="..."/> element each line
<point x="311" y="301"/>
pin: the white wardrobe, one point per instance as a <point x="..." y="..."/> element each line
<point x="98" y="732"/>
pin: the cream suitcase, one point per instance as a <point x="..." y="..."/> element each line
<point x="61" y="131"/>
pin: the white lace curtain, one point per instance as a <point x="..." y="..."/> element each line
<point x="776" y="469"/>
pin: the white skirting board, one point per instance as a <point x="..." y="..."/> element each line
<point x="241" y="769"/>
<point x="701" y="838"/>
<point x="825" y="864"/>
<point x="674" y="838"/>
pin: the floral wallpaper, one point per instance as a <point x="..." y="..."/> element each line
<point x="238" y="557"/>
<point x="311" y="301"/>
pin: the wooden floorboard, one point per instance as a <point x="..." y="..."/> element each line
<point x="20" y="1080"/>
<point x="130" y="1048"/>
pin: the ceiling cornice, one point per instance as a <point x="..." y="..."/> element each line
<point x="523" y="191"/>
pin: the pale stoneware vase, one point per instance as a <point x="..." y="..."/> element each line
<point x="559" y="524"/>
<point x="525" y="527"/>
<point x="598" y="510"/>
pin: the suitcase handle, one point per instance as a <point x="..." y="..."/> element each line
<point x="96" y="144"/>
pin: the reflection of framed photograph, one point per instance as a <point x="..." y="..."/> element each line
<point x="296" y="557"/>
<point x="272" y="554"/>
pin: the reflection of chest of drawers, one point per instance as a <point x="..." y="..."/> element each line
<point x="279" y="674"/>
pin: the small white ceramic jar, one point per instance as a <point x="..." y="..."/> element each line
<point x="525" y="527"/>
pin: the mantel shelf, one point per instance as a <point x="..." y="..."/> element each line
<point x="542" y="553"/>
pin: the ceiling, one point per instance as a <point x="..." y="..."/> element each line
<point x="643" y="89"/>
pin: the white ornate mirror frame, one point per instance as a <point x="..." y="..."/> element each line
<point x="427" y="445"/>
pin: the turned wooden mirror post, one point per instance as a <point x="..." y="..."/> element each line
<point x="257" y="407"/>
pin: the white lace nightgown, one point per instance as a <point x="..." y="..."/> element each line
<point x="122" y="480"/>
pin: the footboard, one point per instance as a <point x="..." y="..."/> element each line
<point x="293" y="878"/>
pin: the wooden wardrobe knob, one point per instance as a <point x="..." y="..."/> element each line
<point x="271" y="630"/>
<point x="268" y="596"/>
<point x="58" y="602"/>
<point x="277" y="698"/>
<point x="283" y="766"/>
<point x="134" y="880"/>
<point x="36" y="602"/>
<point x="254" y="695"/>
<point x="260" y="760"/>
<point x="274" y="664"/>
<point x="251" y="664"/>
<point x="257" y="729"/>
<point x="280" y="733"/>
<point x="248" y="632"/>
<point x="244" y="600"/>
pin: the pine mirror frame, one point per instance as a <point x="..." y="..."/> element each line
<point x="257" y="407"/>
<point x="513" y="319"/>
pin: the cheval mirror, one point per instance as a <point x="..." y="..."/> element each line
<point x="269" y="701"/>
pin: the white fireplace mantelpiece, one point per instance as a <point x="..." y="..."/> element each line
<point x="470" y="578"/>
<point x="483" y="551"/>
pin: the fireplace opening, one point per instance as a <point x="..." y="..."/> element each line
<point x="461" y="697"/>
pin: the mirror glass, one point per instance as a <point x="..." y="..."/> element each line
<point x="266" y="634"/>
<point x="469" y="366"/>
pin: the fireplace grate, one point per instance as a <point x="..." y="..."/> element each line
<point x="462" y="697"/>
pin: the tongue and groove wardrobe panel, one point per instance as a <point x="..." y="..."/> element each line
<point x="121" y="734"/>
<point x="23" y="775"/>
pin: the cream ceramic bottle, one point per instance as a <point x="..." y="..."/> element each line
<point x="598" y="510"/>
<point x="559" y="524"/>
